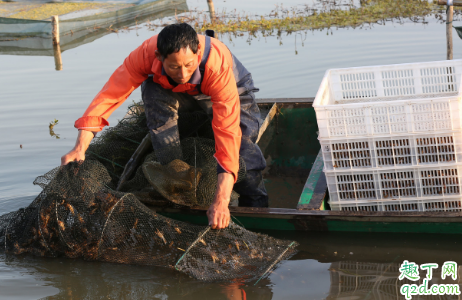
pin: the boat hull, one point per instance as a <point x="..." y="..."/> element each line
<point x="300" y="220"/>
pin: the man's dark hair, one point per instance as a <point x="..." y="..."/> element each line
<point x="175" y="37"/>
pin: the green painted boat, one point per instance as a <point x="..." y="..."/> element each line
<point x="297" y="186"/>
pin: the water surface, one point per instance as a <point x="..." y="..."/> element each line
<point x="33" y="94"/>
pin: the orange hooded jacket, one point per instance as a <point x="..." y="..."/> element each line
<point x="218" y="82"/>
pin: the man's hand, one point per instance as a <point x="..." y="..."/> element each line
<point x="218" y="213"/>
<point x="81" y="145"/>
<point x="71" y="156"/>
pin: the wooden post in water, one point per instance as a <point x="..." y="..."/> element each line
<point x="57" y="55"/>
<point x="55" y="29"/>
<point x="211" y="10"/>
<point x="56" y="46"/>
<point x="449" y="15"/>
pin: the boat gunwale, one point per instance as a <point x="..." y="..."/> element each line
<point x="290" y="213"/>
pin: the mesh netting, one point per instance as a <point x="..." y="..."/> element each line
<point x="190" y="181"/>
<point x="115" y="146"/>
<point x="77" y="214"/>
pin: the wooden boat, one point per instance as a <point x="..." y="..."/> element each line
<point x="297" y="186"/>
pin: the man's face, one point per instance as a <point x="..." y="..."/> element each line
<point x="181" y="65"/>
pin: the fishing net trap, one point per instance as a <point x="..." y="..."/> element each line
<point x="85" y="211"/>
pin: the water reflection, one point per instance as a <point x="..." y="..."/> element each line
<point x="69" y="279"/>
<point x="359" y="280"/>
<point x="79" y="31"/>
<point x="77" y="279"/>
<point x="360" y="266"/>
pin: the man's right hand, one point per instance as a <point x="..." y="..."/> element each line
<point x="71" y="156"/>
<point x="81" y="145"/>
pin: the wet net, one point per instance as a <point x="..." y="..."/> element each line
<point x="78" y="215"/>
<point x="188" y="179"/>
<point x="88" y="210"/>
<point x="116" y="145"/>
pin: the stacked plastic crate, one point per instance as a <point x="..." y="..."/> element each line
<point x="391" y="137"/>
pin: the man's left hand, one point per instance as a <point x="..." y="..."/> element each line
<point x="218" y="215"/>
<point x="218" y="212"/>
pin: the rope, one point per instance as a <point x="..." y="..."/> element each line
<point x="192" y="245"/>
<point x="112" y="162"/>
<point x="197" y="129"/>
<point x="236" y="219"/>
<point x="105" y="224"/>
<point x="39" y="228"/>
<point x="275" y="262"/>
<point x="59" y="227"/>
<point x="124" y="137"/>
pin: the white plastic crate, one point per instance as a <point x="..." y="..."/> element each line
<point x="392" y="152"/>
<point x="449" y="204"/>
<point x="391" y="99"/>
<point x="398" y="184"/>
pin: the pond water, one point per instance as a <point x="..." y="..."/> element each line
<point x="33" y="94"/>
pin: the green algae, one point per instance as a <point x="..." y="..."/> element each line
<point x="327" y="15"/>
<point x="34" y="11"/>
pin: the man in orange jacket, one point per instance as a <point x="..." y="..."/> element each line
<point x="181" y="70"/>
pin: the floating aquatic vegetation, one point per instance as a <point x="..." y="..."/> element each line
<point x="321" y="15"/>
<point x="51" y="126"/>
<point x="327" y="16"/>
<point x="39" y="11"/>
<point x="53" y="123"/>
